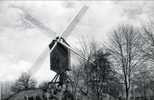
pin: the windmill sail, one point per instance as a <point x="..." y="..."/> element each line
<point x="37" y="64"/>
<point x="74" y="22"/>
<point x="35" y="22"/>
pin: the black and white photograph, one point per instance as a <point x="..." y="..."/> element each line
<point x="76" y="50"/>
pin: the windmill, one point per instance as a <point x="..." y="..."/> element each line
<point x="58" y="43"/>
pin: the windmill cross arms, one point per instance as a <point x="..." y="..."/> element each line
<point x="28" y="17"/>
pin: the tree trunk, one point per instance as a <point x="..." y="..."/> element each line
<point x="127" y="93"/>
<point x="126" y="89"/>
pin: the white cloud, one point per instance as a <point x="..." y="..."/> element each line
<point x="20" y="46"/>
<point x="10" y="68"/>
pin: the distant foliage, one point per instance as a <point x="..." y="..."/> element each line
<point x="24" y="82"/>
<point x="44" y="86"/>
<point x="102" y="78"/>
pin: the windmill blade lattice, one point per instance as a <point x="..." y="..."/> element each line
<point x="74" y="22"/>
<point x="39" y="61"/>
<point x="35" y="22"/>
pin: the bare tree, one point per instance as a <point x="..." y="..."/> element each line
<point x="76" y="77"/>
<point x="24" y="82"/>
<point x="101" y="75"/>
<point x="88" y="48"/>
<point x="5" y="89"/>
<point x="148" y="41"/>
<point x="125" y="53"/>
<point x="142" y="82"/>
<point x="97" y="73"/>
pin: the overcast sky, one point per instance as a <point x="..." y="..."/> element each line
<point x="21" y="42"/>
